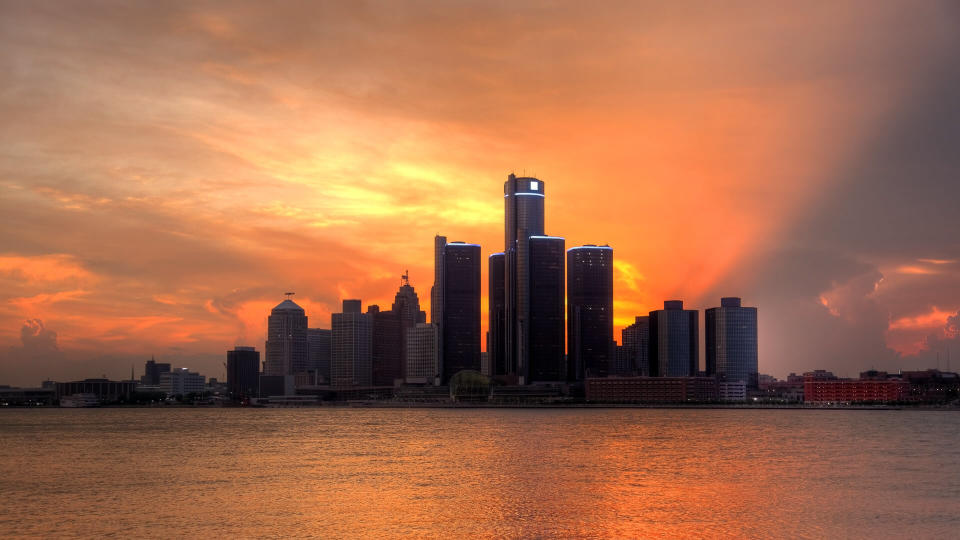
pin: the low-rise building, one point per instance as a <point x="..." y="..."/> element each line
<point x="732" y="391"/>
<point x="652" y="390"/>
<point x="180" y="382"/>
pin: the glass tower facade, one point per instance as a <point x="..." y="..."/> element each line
<point x="496" y="338"/>
<point x="351" y="360"/>
<point x="287" y="351"/>
<point x="589" y="312"/>
<point x="243" y="372"/>
<point x="545" y="341"/>
<point x="460" y="326"/>
<point x="731" y="342"/>
<point x="636" y="343"/>
<point x="523" y="199"/>
<point x="674" y="341"/>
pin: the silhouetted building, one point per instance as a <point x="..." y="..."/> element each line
<point x="674" y="341"/>
<point x="545" y="343"/>
<point x="287" y="350"/>
<point x="106" y="391"/>
<point x="423" y="345"/>
<point x="318" y="341"/>
<point x="351" y="359"/>
<point x="461" y="309"/>
<point x="152" y="371"/>
<point x="652" y="390"/>
<point x="243" y="372"/>
<point x="589" y="311"/>
<point x="523" y="211"/>
<point x="496" y="337"/>
<point x="436" y="292"/>
<point x="636" y="344"/>
<point x="731" y="341"/>
<point x="386" y="347"/>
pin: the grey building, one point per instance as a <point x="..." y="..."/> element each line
<point x="731" y="342"/>
<point x="590" y="341"/>
<point x="523" y="199"/>
<point x="243" y="372"/>
<point x="635" y="340"/>
<point x="674" y="341"/>
<point x="318" y="341"/>
<point x="544" y="343"/>
<point x="151" y="372"/>
<point x="460" y="326"/>
<point x="422" y="348"/>
<point x="351" y="360"/>
<point x="287" y="350"/>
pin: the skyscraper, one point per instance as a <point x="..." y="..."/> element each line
<point x="318" y="340"/>
<point x="496" y="338"/>
<point x="351" y="359"/>
<point x="589" y="311"/>
<point x="523" y="199"/>
<point x="243" y="372"/>
<point x="436" y="292"/>
<point x="636" y="344"/>
<point x="674" y="341"/>
<point x="544" y="339"/>
<point x="288" y="351"/>
<point x="386" y="346"/>
<point x="460" y="326"/>
<point x="731" y="342"/>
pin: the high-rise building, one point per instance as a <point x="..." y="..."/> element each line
<point x="523" y="199"/>
<point x="436" y="292"/>
<point x="151" y="372"/>
<point x="731" y="342"/>
<point x="589" y="311"/>
<point x="386" y="346"/>
<point x="544" y="339"/>
<point x="636" y="344"/>
<point x="318" y="340"/>
<point x="460" y="326"/>
<point x="287" y="351"/>
<point x="243" y="372"/>
<point x="423" y="346"/>
<point x="674" y="341"/>
<point x="351" y="361"/>
<point x="496" y="335"/>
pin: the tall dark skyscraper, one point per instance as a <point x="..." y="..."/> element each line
<point x="436" y="292"/>
<point x="674" y="341"/>
<point x="589" y="311"/>
<point x="460" y="326"/>
<point x="636" y="345"/>
<point x="243" y="372"/>
<point x="731" y="341"/>
<point x="288" y="351"/>
<point x="389" y="334"/>
<point x="496" y="335"/>
<point x="318" y="340"/>
<point x="545" y="343"/>
<point x="523" y="199"/>
<point x="351" y="362"/>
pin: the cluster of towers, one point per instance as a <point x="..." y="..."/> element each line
<point x="550" y="320"/>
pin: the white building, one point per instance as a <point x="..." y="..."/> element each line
<point x="423" y="345"/>
<point x="180" y="382"/>
<point x="733" y="391"/>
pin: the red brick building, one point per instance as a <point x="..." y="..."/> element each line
<point x="824" y="387"/>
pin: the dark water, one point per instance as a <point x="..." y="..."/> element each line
<point x="479" y="473"/>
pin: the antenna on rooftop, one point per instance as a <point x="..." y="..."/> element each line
<point x="405" y="278"/>
<point x="289" y="294"/>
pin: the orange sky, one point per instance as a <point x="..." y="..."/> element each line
<point x="169" y="170"/>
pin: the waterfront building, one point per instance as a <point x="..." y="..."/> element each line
<point x="589" y="311"/>
<point x="243" y="372"/>
<point x="652" y="390"/>
<point x="674" y="341"/>
<point x="823" y="387"/>
<point x="351" y="360"/>
<point x="318" y="345"/>
<point x="732" y="391"/>
<point x="181" y="382"/>
<point x="460" y="326"/>
<point x="731" y="342"/>
<point x="545" y="335"/>
<point x="636" y="344"/>
<point x="496" y="335"/>
<point x="107" y="391"/>
<point x="422" y="354"/>
<point x="151" y="372"/>
<point x="523" y="199"/>
<point x="287" y="350"/>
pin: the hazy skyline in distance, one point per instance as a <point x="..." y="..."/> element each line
<point x="168" y="170"/>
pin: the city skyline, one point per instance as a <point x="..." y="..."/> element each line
<point x="159" y="202"/>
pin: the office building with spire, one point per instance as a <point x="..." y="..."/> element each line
<point x="590" y="344"/>
<point x="287" y="347"/>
